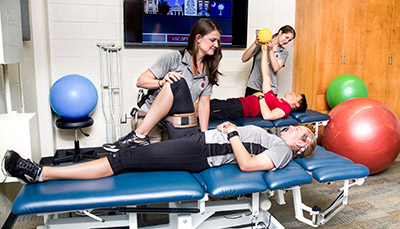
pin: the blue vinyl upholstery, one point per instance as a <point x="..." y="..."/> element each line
<point x="294" y="118"/>
<point x="309" y="116"/>
<point x="170" y="186"/>
<point x="287" y="121"/>
<point x="334" y="173"/>
<point x="293" y="174"/>
<point x="228" y="180"/>
<point x="257" y="121"/>
<point x="327" y="166"/>
<point x="120" y="190"/>
<point x="174" y="186"/>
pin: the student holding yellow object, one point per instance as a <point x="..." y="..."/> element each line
<point x="277" y="56"/>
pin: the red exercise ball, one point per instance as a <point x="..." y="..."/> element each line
<point x="365" y="131"/>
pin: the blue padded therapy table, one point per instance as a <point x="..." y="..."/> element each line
<point x="315" y="118"/>
<point x="194" y="200"/>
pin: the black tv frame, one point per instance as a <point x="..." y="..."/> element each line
<point x="133" y="16"/>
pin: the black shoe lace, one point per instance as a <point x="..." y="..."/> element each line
<point x="29" y="167"/>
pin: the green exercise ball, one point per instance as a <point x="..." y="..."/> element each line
<point x="345" y="87"/>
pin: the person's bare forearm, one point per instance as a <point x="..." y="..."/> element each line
<point x="148" y="80"/>
<point x="266" y="81"/>
<point x="249" y="53"/>
<point x="204" y="112"/>
<point x="276" y="66"/>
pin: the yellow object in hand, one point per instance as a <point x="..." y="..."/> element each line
<point x="264" y="35"/>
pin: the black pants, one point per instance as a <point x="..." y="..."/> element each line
<point x="229" y="109"/>
<point x="186" y="154"/>
<point x="250" y="91"/>
<point x="185" y="151"/>
<point x="182" y="104"/>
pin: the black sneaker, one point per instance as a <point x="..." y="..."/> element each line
<point x="128" y="141"/>
<point x="25" y="170"/>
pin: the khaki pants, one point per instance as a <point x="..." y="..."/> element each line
<point x="157" y="134"/>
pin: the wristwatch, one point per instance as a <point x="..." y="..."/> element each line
<point x="260" y="96"/>
<point x="232" y="134"/>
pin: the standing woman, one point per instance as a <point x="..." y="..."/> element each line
<point x="197" y="65"/>
<point x="277" y="56"/>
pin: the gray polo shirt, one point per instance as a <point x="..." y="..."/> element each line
<point x="255" y="139"/>
<point x="255" y="78"/>
<point x="174" y="62"/>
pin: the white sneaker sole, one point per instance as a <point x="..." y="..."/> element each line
<point x="4" y="171"/>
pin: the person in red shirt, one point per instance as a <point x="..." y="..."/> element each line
<point x="263" y="103"/>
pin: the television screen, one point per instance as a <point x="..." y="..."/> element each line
<point x="168" y="22"/>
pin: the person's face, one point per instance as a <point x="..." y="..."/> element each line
<point x="209" y="42"/>
<point x="294" y="136"/>
<point x="285" y="38"/>
<point x="293" y="97"/>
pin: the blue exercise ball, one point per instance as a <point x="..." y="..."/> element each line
<point x="73" y="97"/>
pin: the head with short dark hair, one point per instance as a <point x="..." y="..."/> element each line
<point x="302" y="104"/>
<point x="297" y="102"/>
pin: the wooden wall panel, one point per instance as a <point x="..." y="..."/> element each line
<point x="354" y="36"/>
<point x="305" y="56"/>
<point x="368" y="30"/>
<point x="330" y="42"/>
<point x="377" y="40"/>
<point x="320" y="103"/>
<point x="393" y="84"/>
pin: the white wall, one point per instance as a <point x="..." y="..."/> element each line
<point x="21" y="77"/>
<point x="19" y="68"/>
<point x="75" y="26"/>
<point x="3" y="105"/>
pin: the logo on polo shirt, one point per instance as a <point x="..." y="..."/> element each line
<point x="277" y="55"/>
<point x="202" y="85"/>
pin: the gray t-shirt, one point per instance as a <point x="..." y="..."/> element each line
<point x="255" y="78"/>
<point x="255" y="139"/>
<point x="174" y="62"/>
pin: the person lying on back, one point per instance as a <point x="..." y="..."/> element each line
<point x="264" y="103"/>
<point x="252" y="148"/>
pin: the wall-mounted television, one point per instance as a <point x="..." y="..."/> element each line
<point x="168" y="22"/>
